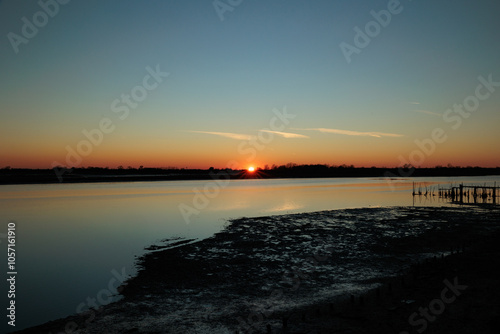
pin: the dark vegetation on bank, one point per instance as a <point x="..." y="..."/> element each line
<point x="98" y="174"/>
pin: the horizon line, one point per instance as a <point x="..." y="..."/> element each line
<point x="273" y="166"/>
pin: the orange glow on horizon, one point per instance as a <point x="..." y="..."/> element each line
<point x="157" y="156"/>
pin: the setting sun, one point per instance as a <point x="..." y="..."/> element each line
<point x="251" y="169"/>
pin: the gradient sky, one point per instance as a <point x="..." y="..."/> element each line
<point x="228" y="78"/>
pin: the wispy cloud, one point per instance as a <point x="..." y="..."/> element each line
<point x="354" y="133"/>
<point x="429" y="113"/>
<point x="414" y="102"/>
<point x="285" y="134"/>
<point x="236" y="136"/>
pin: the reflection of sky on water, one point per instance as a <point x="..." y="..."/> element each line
<point x="285" y="207"/>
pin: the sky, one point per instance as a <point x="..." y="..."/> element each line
<point x="235" y="83"/>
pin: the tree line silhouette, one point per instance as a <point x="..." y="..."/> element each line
<point x="10" y="175"/>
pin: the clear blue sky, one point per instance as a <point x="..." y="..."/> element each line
<point x="226" y="77"/>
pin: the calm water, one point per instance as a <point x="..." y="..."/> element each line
<point x="75" y="241"/>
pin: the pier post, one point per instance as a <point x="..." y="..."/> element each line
<point x="495" y="193"/>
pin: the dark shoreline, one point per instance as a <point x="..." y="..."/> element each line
<point x="403" y="303"/>
<point x="203" y="265"/>
<point x="94" y="174"/>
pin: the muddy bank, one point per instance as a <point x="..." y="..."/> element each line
<point x="259" y="271"/>
<point x="453" y="294"/>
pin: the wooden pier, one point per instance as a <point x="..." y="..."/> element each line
<point x="471" y="194"/>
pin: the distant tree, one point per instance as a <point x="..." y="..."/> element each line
<point x="120" y="167"/>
